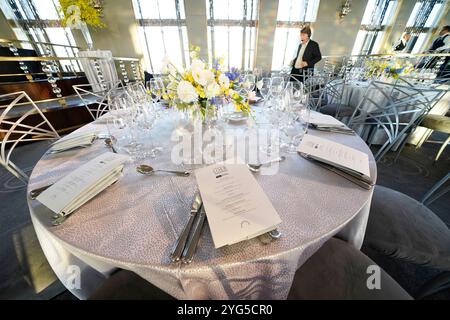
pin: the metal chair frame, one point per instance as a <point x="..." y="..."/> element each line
<point x="404" y="101"/>
<point x="88" y="95"/>
<point x="19" y="132"/>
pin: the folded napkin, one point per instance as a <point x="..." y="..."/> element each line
<point x="320" y="120"/>
<point x="69" y="142"/>
<point x="84" y="183"/>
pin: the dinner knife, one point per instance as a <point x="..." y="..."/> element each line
<point x="189" y="251"/>
<point x="343" y="174"/>
<point x="182" y="239"/>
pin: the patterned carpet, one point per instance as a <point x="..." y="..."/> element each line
<point x="25" y="273"/>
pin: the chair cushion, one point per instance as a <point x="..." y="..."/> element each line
<point x="333" y="108"/>
<point x="339" y="271"/>
<point x="402" y="228"/>
<point x="436" y="122"/>
<point x="126" y="285"/>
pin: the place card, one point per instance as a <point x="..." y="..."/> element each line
<point x="335" y="154"/>
<point x="236" y="206"/>
<point x="84" y="183"/>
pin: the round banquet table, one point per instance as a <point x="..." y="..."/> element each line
<point x="134" y="224"/>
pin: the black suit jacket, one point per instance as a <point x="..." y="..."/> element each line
<point x="311" y="55"/>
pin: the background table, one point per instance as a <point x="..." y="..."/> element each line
<point x="134" y="224"/>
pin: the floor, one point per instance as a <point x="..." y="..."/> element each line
<point x="25" y="273"/>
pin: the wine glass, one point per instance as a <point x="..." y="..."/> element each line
<point x="297" y="125"/>
<point x="248" y="84"/>
<point x="155" y="87"/>
<point x="124" y="111"/>
<point x="265" y="89"/>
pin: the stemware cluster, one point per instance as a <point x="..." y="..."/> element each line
<point x="285" y="109"/>
<point x="134" y="111"/>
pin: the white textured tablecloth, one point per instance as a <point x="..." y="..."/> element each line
<point x="134" y="224"/>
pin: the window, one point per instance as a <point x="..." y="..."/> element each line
<point x="377" y="16"/>
<point x="162" y="32"/>
<point x="292" y="15"/>
<point x="232" y="32"/>
<point x="39" y="21"/>
<point x="424" y="17"/>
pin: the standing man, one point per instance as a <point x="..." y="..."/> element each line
<point x="442" y="42"/>
<point x="308" y="54"/>
<point x="401" y="44"/>
<point x="440" y="45"/>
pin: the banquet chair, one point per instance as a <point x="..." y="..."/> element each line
<point x="94" y="96"/>
<point x="430" y="196"/>
<point x="339" y="271"/>
<point x="335" y="106"/>
<point x="439" y="123"/>
<point x="315" y="83"/>
<point x="395" y="108"/>
<point x="126" y="285"/>
<point x="15" y="132"/>
<point x="409" y="241"/>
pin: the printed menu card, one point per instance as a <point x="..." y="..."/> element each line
<point x="82" y="184"/>
<point x="335" y="154"/>
<point x="236" y="206"/>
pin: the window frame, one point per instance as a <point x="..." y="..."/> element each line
<point x="419" y="28"/>
<point x="179" y="22"/>
<point x="249" y="30"/>
<point x="36" y="30"/>
<point x="374" y="31"/>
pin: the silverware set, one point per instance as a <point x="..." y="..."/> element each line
<point x="187" y="242"/>
<point x="333" y="129"/>
<point x="350" y="175"/>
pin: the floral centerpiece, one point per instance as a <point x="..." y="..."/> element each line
<point x="78" y="14"/>
<point x="201" y="87"/>
<point x="84" y="11"/>
<point x="388" y="68"/>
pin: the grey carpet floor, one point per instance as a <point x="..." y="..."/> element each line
<point x="25" y="273"/>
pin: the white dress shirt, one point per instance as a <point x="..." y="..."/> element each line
<point x="300" y="55"/>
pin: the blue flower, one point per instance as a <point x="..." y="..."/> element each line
<point x="233" y="74"/>
<point x="216" y="65"/>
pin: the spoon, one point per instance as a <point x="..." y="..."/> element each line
<point x="256" y="167"/>
<point x="109" y="143"/>
<point x="145" y="169"/>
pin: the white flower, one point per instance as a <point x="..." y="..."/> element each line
<point x="212" y="90"/>
<point x="165" y="65"/>
<point x="231" y="92"/>
<point x="224" y="81"/>
<point x="186" y="92"/>
<point x="259" y="84"/>
<point x="203" y="77"/>
<point x="197" y="66"/>
<point x="252" y="95"/>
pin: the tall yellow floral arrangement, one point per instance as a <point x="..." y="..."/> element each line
<point x="76" y="11"/>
